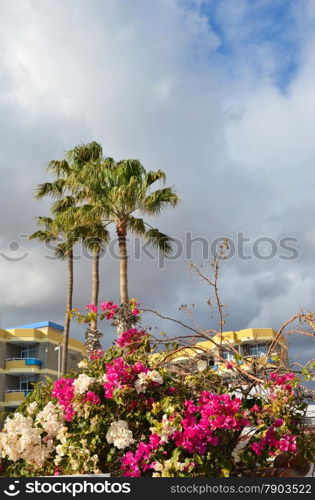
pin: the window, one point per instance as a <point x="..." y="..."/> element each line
<point x="26" y="382"/>
<point x="28" y="351"/>
<point x="210" y="362"/>
<point x="258" y="350"/>
<point x="227" y="355"/>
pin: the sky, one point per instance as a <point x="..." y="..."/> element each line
<point x="219" y="94"/>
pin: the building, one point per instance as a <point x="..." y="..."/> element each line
<point x="28" y="354"/>
<point x="251" y="344"/>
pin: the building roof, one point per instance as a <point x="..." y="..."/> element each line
<point x="41" y="324"/>
<point x="42" y="331"/>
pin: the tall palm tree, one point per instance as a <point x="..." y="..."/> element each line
<point x="91" y="188"/>
<point x="80" y="157"/>
<point x="68" y="173"/>
<point x="119" y="190"/>
<point x="54" y="232"/>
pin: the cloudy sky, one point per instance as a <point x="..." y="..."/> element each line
<point x="218" y="93"/>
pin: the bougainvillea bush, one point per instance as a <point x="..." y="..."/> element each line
<point x="124" y="414"/>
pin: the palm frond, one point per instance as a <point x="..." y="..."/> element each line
<point x="62" y="205"/>
<point x="60" y="168"/>
<point x="159" y="200"/>
<point x="109" y="163"/>
<point x="136" y="225"/>
<point x="62" y="250"/>
<point x="159" y="240"/>
<point x="153" y="176"/>
<point x="54" y="189"/>
<point x="44" y="221"/>
<point x="126" y="169"/>
<point x="44" y="236"/>
<point x="95" y="237"/>
<point x="84" y="153"/>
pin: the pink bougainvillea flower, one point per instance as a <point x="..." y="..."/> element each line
<point x="109" y="309"/>
<point x="131" y="336"/>
<point x="278" y="422"/>
<point x="154" y="441"/>
<point x="120" y="375"/>
<point x="288" y="443"/>
<point x="257" y="448"/>
<point x="97" y="354"/>
<point x="92" y="307"/>
<point x="282" y="380"/>
<point x="275" y="443"/>
<point x="139" y="367"/>
<point x="133" y="464"/>
<point x="93" y="398"/>
<point x="63" y="391"/>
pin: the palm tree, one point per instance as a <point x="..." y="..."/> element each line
<point x="68" y="173"/>
<point x="118" y="191"/>
<point x="54" y="232"/>
<point x="81" y="157"/>
<point x="92" y="189"/>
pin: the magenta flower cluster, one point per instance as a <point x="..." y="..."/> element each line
<point x="131" y="336"/>
<point x="120" y="375"/>
<point x="135" y="464"/>
<point x="109" y="309"/>
<point x="272" y="442"/>
<point x="93" y="398"/>
<point x="212" y="412"/>
<point x="63" y="391"/>
<point x="92" y="308"/>
<point x="283" y="381"/>
<point x="200" y="421"/>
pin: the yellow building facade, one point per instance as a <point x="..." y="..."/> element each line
<point x="242" y="346"/>
<point x="28" y="354"/>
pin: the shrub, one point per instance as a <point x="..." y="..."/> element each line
<point x="125" y="415"/>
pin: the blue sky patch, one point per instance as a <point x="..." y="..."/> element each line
<point x="263" y="33"/>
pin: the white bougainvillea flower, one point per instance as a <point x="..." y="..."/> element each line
<point x="144" y="380"/>
<point x="82" y="383"/>
<point x="119" y="434"/>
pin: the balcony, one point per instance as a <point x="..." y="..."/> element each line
<point x="14" y="398"/>
<point x="20" y="366"/>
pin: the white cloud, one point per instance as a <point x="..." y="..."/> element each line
<point x="146" y="79"/>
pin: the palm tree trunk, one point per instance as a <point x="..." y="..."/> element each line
<point x="67" y="316"/>
<point x="123" y="267"/>
<point x="95" y="284"/>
